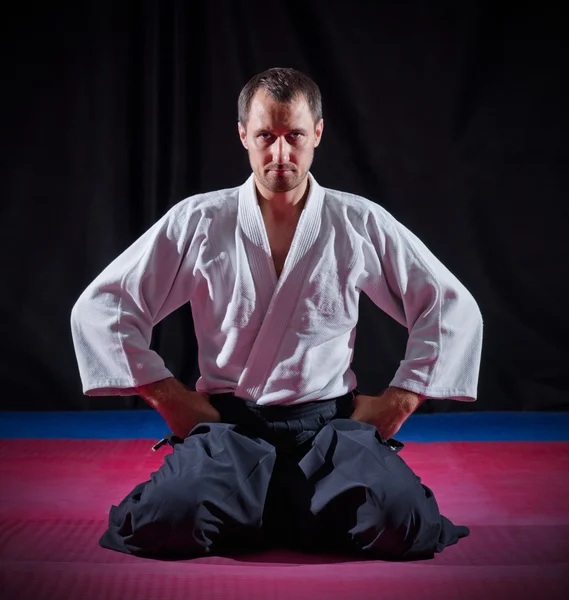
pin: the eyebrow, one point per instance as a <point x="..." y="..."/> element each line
<point x="293" y="130"/>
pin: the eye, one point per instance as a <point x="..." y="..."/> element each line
<point x="265" y="135"/>
<point x="294" y="135"/>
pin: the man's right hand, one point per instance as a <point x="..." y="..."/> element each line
<point x="181" y="408"/>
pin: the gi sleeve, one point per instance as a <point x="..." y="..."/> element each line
<point x="112" y="321"/>
<point x="404" y="278"/>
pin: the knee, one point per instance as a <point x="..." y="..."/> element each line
<point x="390" y="532"/>
<point x="165" y="519"/>
<point x="156" y="521"/>
<point x="170" y="502"/>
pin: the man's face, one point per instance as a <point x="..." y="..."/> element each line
<point x="280" y="139"/>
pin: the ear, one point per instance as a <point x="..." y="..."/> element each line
<point x="242" y="135"/>
<point x="318" y="132"/>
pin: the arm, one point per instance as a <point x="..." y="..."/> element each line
<point x="403" y="278"/>
<point x="112" y="320"/>
<point x="442" y="358"/>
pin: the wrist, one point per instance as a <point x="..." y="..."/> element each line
<point x="407" y="400"/>
<point x="159" y="394"/>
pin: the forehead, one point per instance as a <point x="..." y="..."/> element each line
<point x="266" y="112"/>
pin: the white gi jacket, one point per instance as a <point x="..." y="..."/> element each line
<point x="275" y="341"/>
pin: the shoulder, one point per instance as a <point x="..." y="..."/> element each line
<point x="358" y="210"/>
<point x="198" y="213"/>
<point x="208" y="203"/>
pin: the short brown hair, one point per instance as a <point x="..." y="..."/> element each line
<point x="283" y="85"/>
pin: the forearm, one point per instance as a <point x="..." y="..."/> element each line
<point x="442" y="360"/>
<point x="112" y="345"/>
<point x="387" y="411"/>
<point x="164" y="393"/>
<point x="181" y="408"/>
<point x="405" y="400"/>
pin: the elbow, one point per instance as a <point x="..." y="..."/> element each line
<point x="83" y="307"/>
<point x="458" y="306"/>
<point x="474" y="310"/>
<point x="77" y="312"/>
<point x="471" y="316"/>
<point x="78" y="323"/>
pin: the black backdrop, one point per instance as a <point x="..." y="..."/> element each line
<point x="452" y="115"/>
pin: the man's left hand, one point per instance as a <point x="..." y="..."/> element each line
<point x="387" y="411"/>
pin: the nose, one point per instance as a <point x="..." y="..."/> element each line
<point x="281" y="151"/>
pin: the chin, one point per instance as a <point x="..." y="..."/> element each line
<point x="283" y="186"/>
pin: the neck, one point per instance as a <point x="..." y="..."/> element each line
<point x="282" y="206"/>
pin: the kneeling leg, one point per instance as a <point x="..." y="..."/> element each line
<point x="367" y="499"/>
<point x="208" y="496"/>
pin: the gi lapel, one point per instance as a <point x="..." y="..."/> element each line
<point x="278" y="298"/>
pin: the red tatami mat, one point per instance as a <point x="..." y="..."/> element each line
<point x="55" y="497"/>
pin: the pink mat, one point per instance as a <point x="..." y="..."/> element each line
<point x="56" y="495"/>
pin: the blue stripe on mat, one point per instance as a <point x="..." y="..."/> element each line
<point x="148" y="424"/>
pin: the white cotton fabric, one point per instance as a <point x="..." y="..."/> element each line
<point x="277" y="340"/>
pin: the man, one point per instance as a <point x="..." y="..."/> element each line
<point x="275" y="445"/>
